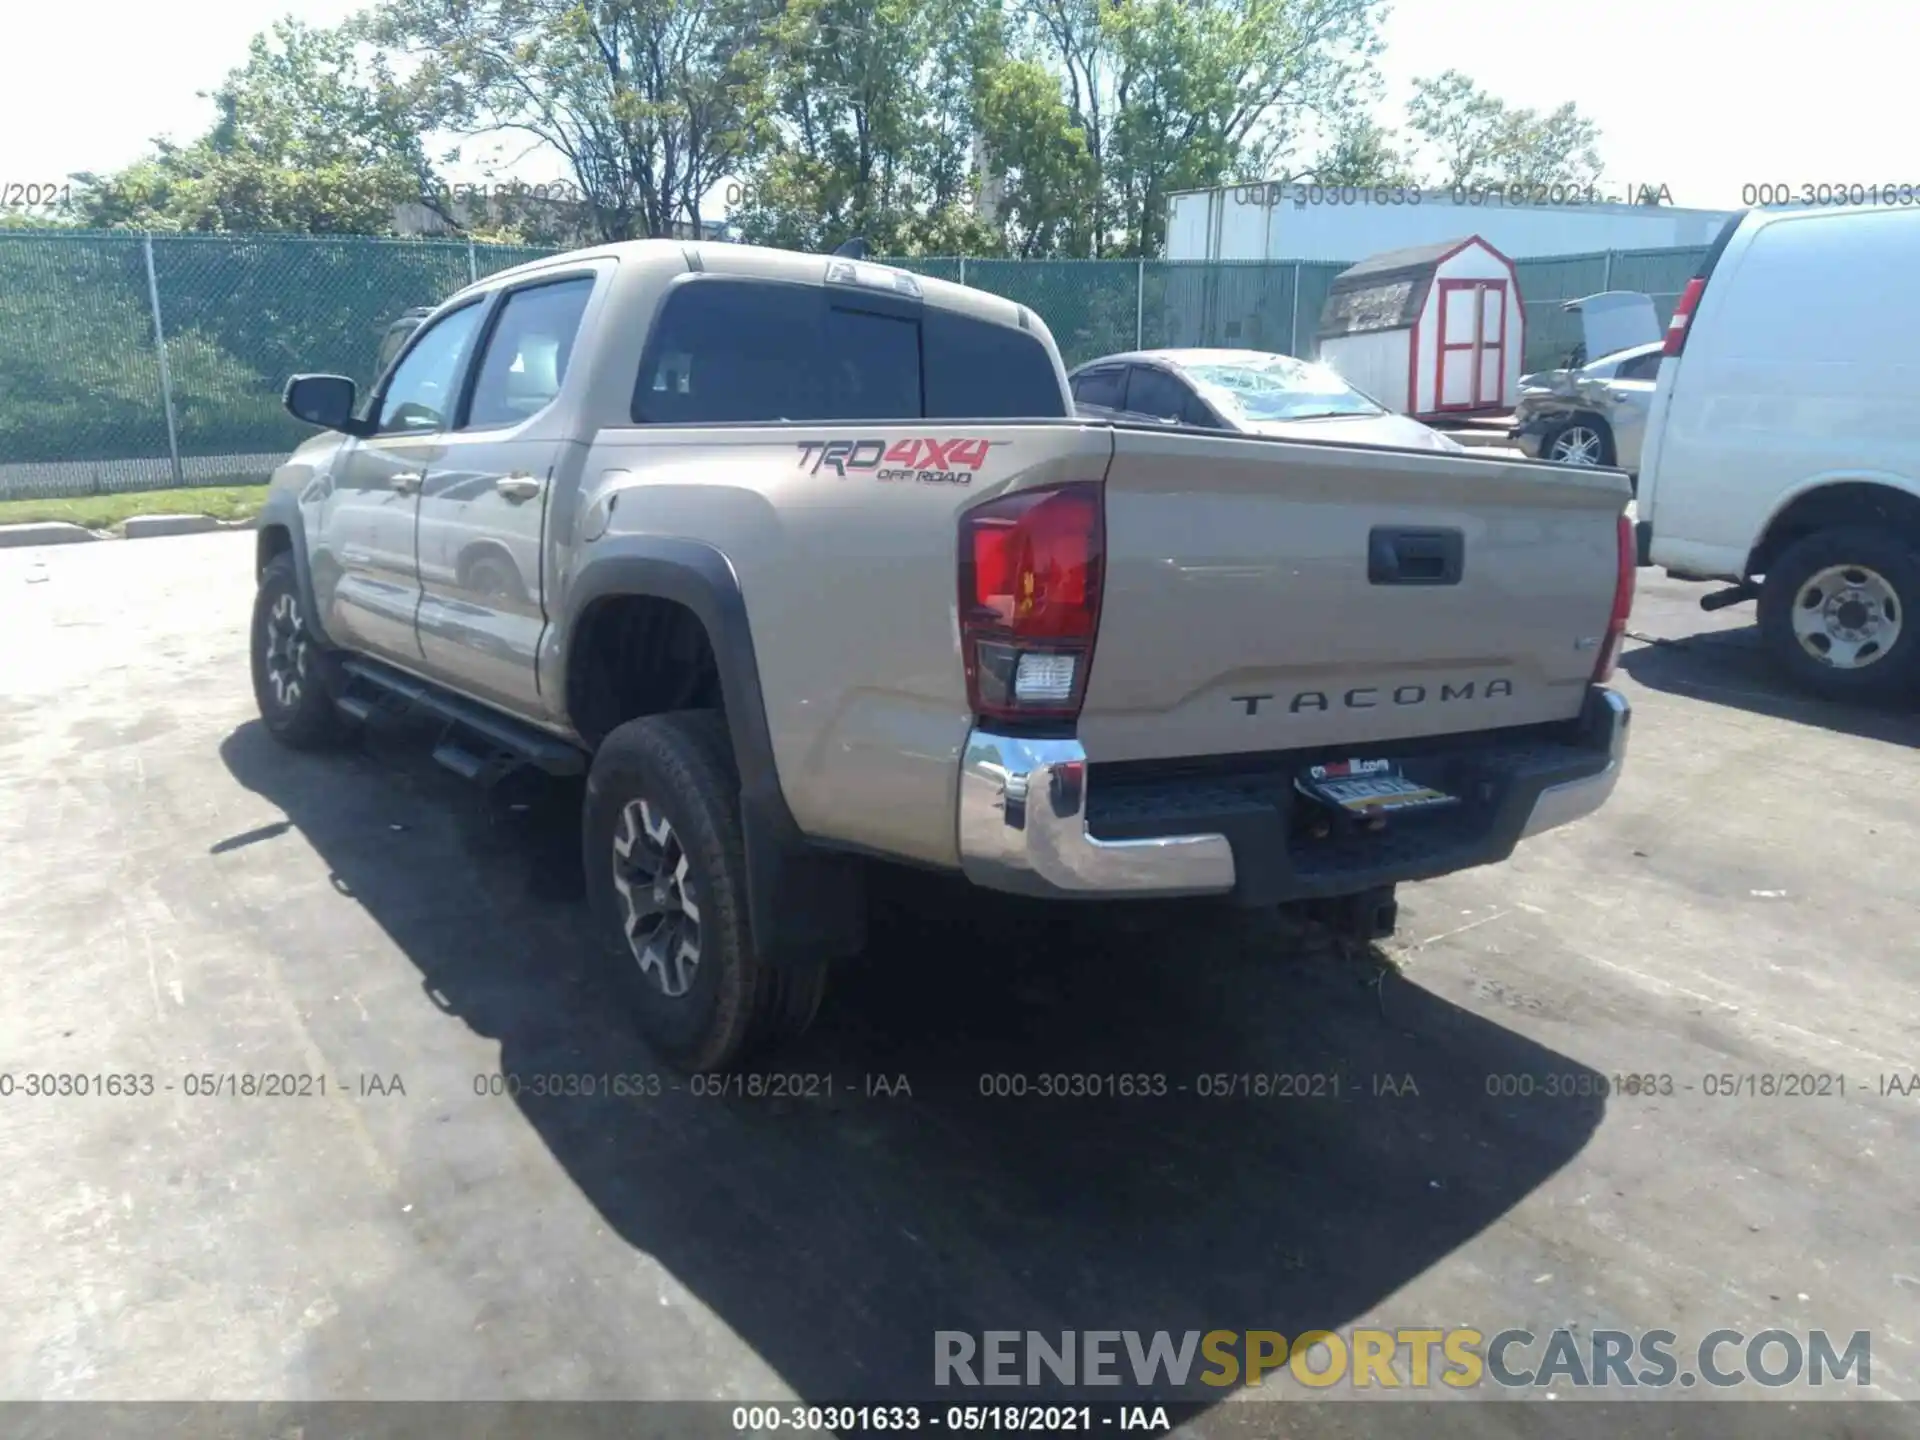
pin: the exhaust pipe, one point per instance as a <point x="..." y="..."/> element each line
<point x="1721" y="599"/>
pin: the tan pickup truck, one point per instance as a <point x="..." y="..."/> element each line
<point x="805" y="564"/>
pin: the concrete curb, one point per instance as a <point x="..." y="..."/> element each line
<point x="134" y="527"/>
<point x="141" y="527"/>
<point x="43" y="532"/>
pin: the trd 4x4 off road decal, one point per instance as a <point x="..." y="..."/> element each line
<point x="932" y="462"/>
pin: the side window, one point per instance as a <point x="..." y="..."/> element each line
<point x="1640" y="367"/>
<point x="527" y="353"/>
<point x="421" y="395"/>
<point x="1155" y="394"/>
<point x="390" y="344"/>
<point x="1100" y="387"/>
<point x="977" y="370"/>
<point x="1197" y="412"/>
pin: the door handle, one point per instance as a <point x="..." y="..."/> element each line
<point x="406" y="483"/>
<point x="516" y="488"/>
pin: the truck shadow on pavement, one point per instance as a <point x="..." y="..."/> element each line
<point x="1728" y="667"/>
<point x="835" y="1234"/>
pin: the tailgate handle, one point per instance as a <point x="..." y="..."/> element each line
<point x="1414" y="557"/>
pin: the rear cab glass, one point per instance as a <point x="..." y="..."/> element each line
<point x="729" y="351"/>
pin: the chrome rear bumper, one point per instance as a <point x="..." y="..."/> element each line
<point x="1558" y="804"/>
<point x="1023" y="823"/>
<point x="1023" y="828"/>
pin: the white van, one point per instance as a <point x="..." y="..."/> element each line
<point x="1783" y="451"/>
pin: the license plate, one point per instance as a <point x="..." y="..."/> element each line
<point x="1368" y="788"/>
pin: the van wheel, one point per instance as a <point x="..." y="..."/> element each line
<point x="667" y="874"/>
<point x="1578" y="442"/>
<point x="1834" y="614"/>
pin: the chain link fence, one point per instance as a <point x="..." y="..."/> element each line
<point x="130" y="362"/>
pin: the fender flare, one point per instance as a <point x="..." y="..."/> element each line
<point x="806" y="901"/>
<point x="282" y="511"/>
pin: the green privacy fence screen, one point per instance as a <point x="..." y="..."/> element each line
<point x="130" y="362"/>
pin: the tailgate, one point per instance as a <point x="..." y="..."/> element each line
<point x="1268" y="594"/>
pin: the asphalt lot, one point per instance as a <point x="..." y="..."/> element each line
<point x="180" y="897"/>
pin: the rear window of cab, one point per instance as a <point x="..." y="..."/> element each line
<point x="728" y="351"/>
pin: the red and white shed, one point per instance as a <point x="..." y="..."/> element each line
<point x="1431" y="331"/>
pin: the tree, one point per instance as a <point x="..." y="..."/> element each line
<point x="1480" y="141"/>
<point x="872" y="115"/>
<point x="311" y="135"/>
<point x="1046" y="183"/>
<point x="197" y="188"/>
<point x="31" y="220"/>
<point x="649" y="102"/>
<point x="1361" y="153"/>
<point x="1178" y="94"/>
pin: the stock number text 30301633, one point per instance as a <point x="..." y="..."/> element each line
<point x="1782" y="194"/>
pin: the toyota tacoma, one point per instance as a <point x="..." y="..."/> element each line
<point x="805" y="564"/>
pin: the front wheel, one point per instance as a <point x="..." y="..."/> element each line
<point x="1834" y="614"/>
<point x="1577" y="442"/>
<point x="667" y="874"/>
<point x="288" y="684"/>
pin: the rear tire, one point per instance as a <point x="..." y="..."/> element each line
<point x="1836" y="614"/>
<point x="667" y="876"/>
<point x="289" y="667"/>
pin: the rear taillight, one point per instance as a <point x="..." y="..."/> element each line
<point x="1683" y="316"/>
<point x="1622" y="604"/>
<point x="1030" y="576"/>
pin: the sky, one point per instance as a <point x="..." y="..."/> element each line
<point x="1704" y="97"/>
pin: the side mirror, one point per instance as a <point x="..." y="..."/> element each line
<point x="323" y="400"/>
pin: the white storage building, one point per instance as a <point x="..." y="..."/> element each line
<point x="1291" y="221"/>
<point x="1431" y="331"/>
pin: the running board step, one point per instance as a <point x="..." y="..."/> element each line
<point x="462" y="761"/>
<point x="364" y="707"/>
<point x="518" y="739"/>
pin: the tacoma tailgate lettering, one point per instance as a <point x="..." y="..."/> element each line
<point x="1363" y="697"/>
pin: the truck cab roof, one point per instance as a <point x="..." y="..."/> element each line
<point x="778" y="266"/>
